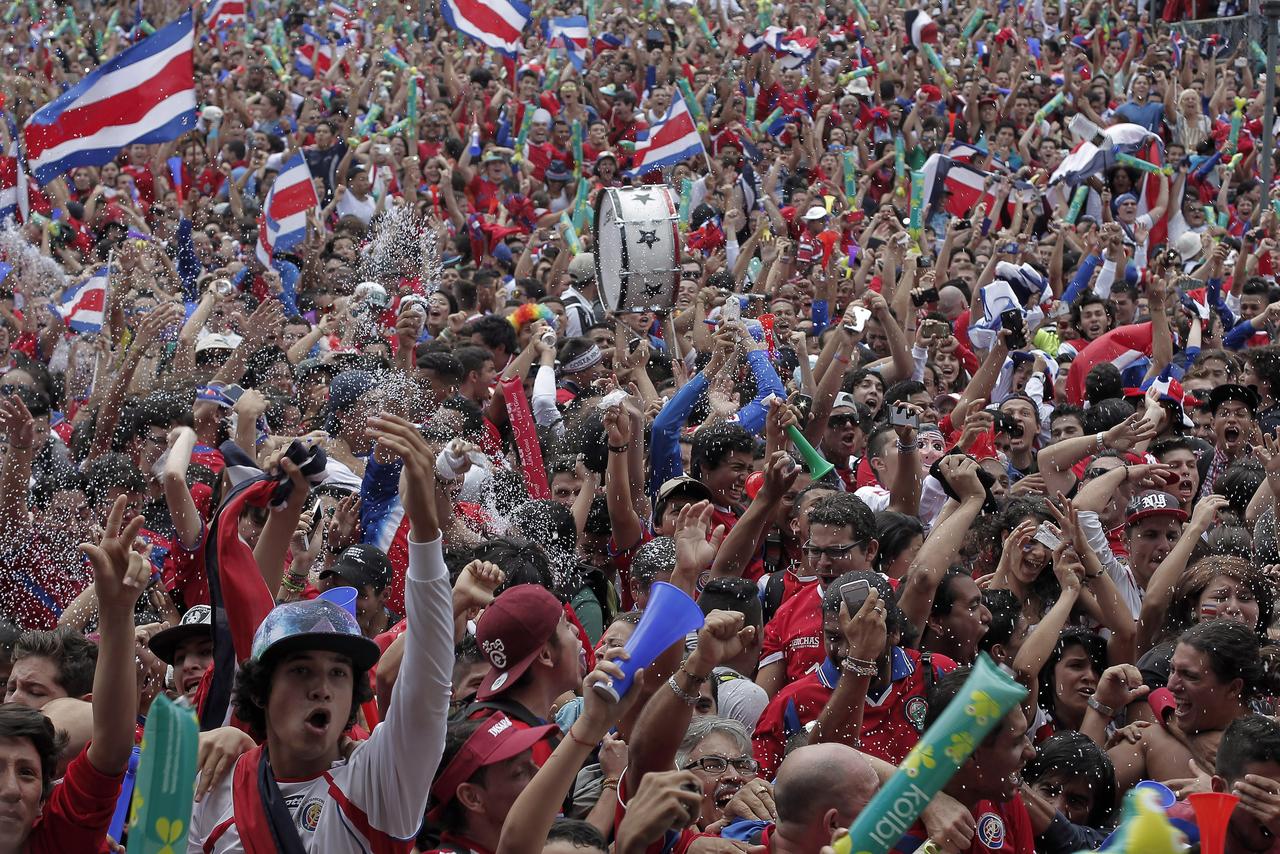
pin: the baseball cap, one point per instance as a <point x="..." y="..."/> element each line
<point x="816" y="212"/>
<point x="583" y="267"/>
<point x="1233" y="391"/>
<point x="512" y="631"/>
<point x="558" y="171"/>
<point x="196" y="623"/>
<point x="313" y="624"/>
<point x="685" y="485"/>
<point x="497" y="740"/>
<point x="362" y="564"/>
<point x="844" y="400"/>
<point x="215" y="341"/>
<point x="1153" y="502"/>
<point x="345" y="389"/>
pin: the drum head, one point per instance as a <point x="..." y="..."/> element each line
<point x="637" y="243"/>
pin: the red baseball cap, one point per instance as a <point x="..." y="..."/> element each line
<point x="498" y="739"/>
<point x="512" y="631"/>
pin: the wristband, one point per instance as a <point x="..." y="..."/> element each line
<point x="619" y="449"/>
<point x="697" y="680"/>
<point x="907" y="449"/>
<point x="859" y="667"/>
<point x="1101" y="708"/>
<point x="689" y="699"/>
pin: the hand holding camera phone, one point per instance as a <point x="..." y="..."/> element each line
<point x="1013" y="321"/>
<point x="902" y="416"/>
<point x="854" y="594"/>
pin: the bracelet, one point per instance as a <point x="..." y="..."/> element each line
<point x="697" y="680"/>
<point x="619" y="449"/>
<point x="1100" y="708"/>
<point x="291" y="586"/>
<point x="1099" y="442"/>
<point x="689" y="699"/>
<point x="576" y="740"/>
<point x="859" y="667"/>
<point x="609" y="783"/>
<point x="904" y="448"/>
<point x="844" y="360"/>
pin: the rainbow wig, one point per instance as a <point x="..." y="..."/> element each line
<point x="528" y="313"/>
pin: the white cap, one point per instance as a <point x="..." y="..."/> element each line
<point x="816" y="212"/>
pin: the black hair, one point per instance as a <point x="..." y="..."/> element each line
<point x="842" y="509"/>
<point x="547" y="522"/>
<point x="1234" y="651"/>
<point x="713" y="445"/>
<point x="1090" y="298"/>
<point x="733" y="593"/>
<point x="1239" y="482"/>
<point x="1266" y="365"/>
<point x="18" y="721"/>
<point x="472" y="358"/>
<point x="654" y="557"/>
<point x="1072" y="636"/>
<point x="520" y="563"/>
<point x="73" y="655"/>
<point x="1075" y="756"/>
<point x="447" y="365"/>
<point x="108" y="472"/>
<point x="1247" y="739"/>
<point x="902" y="390"/>
<point x="1102" y="382"/>
<point x="1104" y="414"/>
<point x="1006" y="610"/>
<point x="1067" y="410"/>
<point x="578" y="833"/>
<point x="494" y="331"/>
<point x="894" y="620"/>
<point x="880" y="437"/>
<point x="252" y="690"/>
<point x="895" y="533"/>
<point x="854" y="379"/>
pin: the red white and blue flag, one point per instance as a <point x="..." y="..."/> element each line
<point x="283" y="224"/>
<point x="607" y="41"/>
<point x="84" y="305"/>
<point x="316" y="58"/>
<point x="673" y="140"/>
<point x="1124" y="347"/>
<point x="145" y="94"/>
<point x="13" y="178"/>
<point x="794" y="48"/>
<point x="498" y="24"/>
<point x="572" y="33"/>
<point x="218" y="13"/>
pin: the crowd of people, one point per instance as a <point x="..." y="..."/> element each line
<point x="969" y="353"/>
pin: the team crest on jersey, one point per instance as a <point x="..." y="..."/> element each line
<point x="917" y="709"/>
<point x="311" y="813"/>
<point x="991" y="830"/>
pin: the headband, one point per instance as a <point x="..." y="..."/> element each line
<point x="586" y="360"/>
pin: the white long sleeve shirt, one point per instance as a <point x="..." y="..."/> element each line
<point x="385" y="782"/>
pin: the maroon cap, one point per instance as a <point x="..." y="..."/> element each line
<point x="1154" y="502"/>
<point x="498" y="739"/>
<point x="512" y="631"/>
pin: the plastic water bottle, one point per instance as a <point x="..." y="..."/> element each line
<point x="475" y="143"/>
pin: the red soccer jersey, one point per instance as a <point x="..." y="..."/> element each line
<point x="78" y="811"/>
<point x="794" y="635"/>
<point x="1003" y="828"/>
<point x="891" y="723"/>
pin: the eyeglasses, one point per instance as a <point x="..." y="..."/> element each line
<point x="715" y="764"/>
<point x="833" y="552"/>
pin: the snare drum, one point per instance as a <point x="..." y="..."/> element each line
<point x="637" y="247"/>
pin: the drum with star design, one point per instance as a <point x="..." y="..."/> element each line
<point x="637" y="247"/>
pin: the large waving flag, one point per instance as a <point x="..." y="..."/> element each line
<point x="966" y="184"/>
<point x="13" y="178"/>
<point x="498" y="24"/>
<point x="84" y="306"/>
<point x="283" y="224"/>
<point x="794" y="48"/>
<point x="668" y="142"/>
<point x="223" y="12"/>
<point x="1125" y="347"/>
<point x="572" y="33"/>
<point x="146" y="94"/>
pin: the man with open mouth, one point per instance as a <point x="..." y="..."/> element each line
<point x="1234" y="409"/>
<point x="300" y="689"/>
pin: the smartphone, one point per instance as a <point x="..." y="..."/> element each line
<point x="860" y="317"/>
<point x="233" y="392"/>
<point x="854" y="594"/>
<point x="1010" y="249"/>
<point x="804" y="403"/>
<point x="1046" y="537"/>
<point x="1013" y="321"/>
<point x="901" y="416"/>
<point x="935" y="329"/>
<point x="313" y="507"/>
